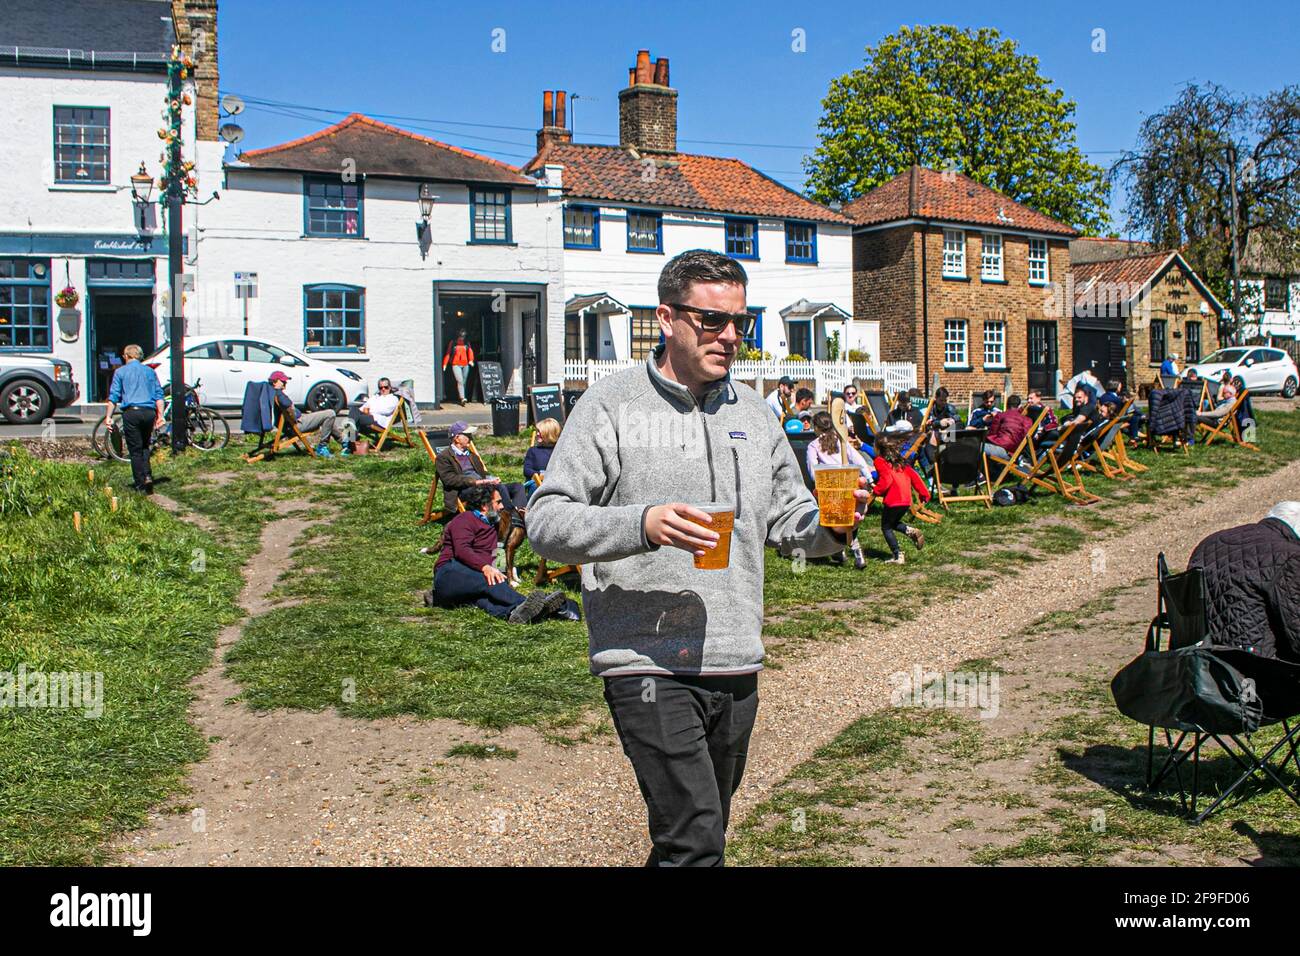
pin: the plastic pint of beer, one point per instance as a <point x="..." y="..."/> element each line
<point x="719" y="556"/>
<point x="835" y="487"/>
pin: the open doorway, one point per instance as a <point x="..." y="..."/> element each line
<point x="116" y="320"/>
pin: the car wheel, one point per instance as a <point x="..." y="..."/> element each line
<point x="1289" y="388"/>
<point x="25" y="402"/>
<point x="326" y="395"/>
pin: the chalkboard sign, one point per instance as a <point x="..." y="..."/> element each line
<point x="490" y="379"/>
<point x="546" y="401"/>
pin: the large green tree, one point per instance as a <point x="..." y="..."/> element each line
<point x="962" y="100"/>
<point x="1178" y="180"/>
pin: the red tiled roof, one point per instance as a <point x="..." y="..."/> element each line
<point x="922" y="193"/>
<point x="681" y="180"/>
<point x="382" y="150"/>
<point x="1134" y="271"/>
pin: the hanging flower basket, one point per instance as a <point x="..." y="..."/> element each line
<point x="67" y="298"/>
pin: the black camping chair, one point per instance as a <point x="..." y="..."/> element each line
<point x="1183" y="684"/>
<point x="799" y="445"/>
<point x="877" y="403"/>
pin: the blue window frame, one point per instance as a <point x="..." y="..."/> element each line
<point x="25" y="304"/>
<point x="334" y="318"/>
<point x="581" y="227"/>
<point x="741" y="238"/>
<point x="489" y="215"/>
<point x="332" y="207"/>
<point x="801" y="242"/>
<point x="755" y="339"/>
<point x="645" y="231"/>
<point x="133" y="272"/>
<point x="81" y="144"/>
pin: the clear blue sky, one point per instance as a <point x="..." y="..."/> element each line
<point x="738" y="80"/>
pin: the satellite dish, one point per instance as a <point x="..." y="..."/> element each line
<point x="232" y="104"/>
<point x="231" y="133"/>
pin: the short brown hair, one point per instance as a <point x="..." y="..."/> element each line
<point x="697" y="265"/>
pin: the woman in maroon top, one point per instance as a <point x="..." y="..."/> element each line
<point x="465" y="572"/>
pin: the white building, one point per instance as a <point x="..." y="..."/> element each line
<point x="1270" y="294"/>
<point x="630" y="208"/>
<point x="82" y="90"/>
<point x="332" y="226"/>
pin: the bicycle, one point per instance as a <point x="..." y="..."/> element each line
<point x="207" y="431"/>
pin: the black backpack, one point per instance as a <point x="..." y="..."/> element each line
<point x="1016" y="495"/>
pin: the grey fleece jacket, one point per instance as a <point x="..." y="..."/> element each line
<point x="634" y="440"/>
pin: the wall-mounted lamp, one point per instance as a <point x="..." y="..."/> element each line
<point x="141" y="190"/>
<point x="427" y="198"/>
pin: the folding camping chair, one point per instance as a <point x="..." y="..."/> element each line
<point x="1227" y="427"/>
<point x="399" y="419"/>
<point x="430" y="514"/>
<point x="875" y="409"/>
<point x="963" y="462"/>
<point x="1181" y="683"/>
<point x="1179" y="437"/>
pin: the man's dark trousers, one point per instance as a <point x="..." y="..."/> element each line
<point x="455" y="583"/>
<point x="688" y="739"/>
<point x="137" y="426"/>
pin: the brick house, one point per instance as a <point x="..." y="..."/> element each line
<point x="1131" y="311"/>
<point x="964" y="282"/>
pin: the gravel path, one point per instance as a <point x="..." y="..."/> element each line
<point x="301" y="788"/>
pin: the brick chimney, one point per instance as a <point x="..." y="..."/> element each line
<point x="196" y="32"/>
<point x="647" y="108"/>
<point x="554" y="120"/>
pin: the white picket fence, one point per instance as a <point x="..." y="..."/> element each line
<point x="825" y="376"/>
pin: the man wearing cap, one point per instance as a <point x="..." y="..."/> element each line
<point x="459" y="466"/>
<point x="327" y="422"/>
<point x="679" y="647"/>
<point x="779" y="398"/>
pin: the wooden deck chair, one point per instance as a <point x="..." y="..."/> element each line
<point x="1100" y="457"/>
<point x="1006" y="469"/>
<point x="875" y="407"/>
<point x="283" y="424"/>
<point x="965" y="463"/>
<point x="546" y="575"/>
<point x="391" y="432"/>
<point x="1063" y="462"/>
<point x="430" y="514"/>
<point x="1198" y="388"/>
<point x="1227" y="427"/>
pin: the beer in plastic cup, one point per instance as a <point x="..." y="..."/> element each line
<point x="835" y="486"/>
<point x="724" y="520"/>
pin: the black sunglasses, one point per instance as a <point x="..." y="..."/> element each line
<point x="713" y="321"/>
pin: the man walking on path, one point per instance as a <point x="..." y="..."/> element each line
<point x="679" y="648"/>
<point x="137" y="391"/>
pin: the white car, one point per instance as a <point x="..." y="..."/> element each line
<point x="225" y="364"/>
<point x="1254" y="367"/>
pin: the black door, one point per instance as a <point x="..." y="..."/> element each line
<point x="1042" y="357"/>
<point x="118" y="319"/>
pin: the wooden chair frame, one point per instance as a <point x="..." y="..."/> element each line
<point x="1228" y="427"/>
<point x="429" y="514"/>
<point x="399" y="417"/>
<point x="1108" y="462"/>
<point x="278" y="442"/>
<point x="1009" y="466"/>
<point x="546" y="575"/>
<point x="983" y="492"/>
<point x="1056" y="482"/>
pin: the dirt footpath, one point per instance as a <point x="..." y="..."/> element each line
<point x="289" y="787"/>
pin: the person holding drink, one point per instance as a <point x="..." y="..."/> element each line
<point x="657" y="466"/>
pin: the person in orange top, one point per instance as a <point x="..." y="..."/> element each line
<point x="461" y="357"/>
<point x="895" y="479"/>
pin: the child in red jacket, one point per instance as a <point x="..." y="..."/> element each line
<point x="894" y="483"/>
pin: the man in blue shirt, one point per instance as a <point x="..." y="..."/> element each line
<point x="137" y="391"/>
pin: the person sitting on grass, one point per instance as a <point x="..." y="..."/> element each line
<point x="826" y="449"/>
<point x="987" y="408"/>
<point x="377" y="412"/>
<point x="325" y="423"/>
<point x="465" y="573"/>
<point x="895" y="479"/>
<point x="1006" y="430"/>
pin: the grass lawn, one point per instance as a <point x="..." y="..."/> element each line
<point x="137" y="597"/>
<point x="121" y="600"/>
